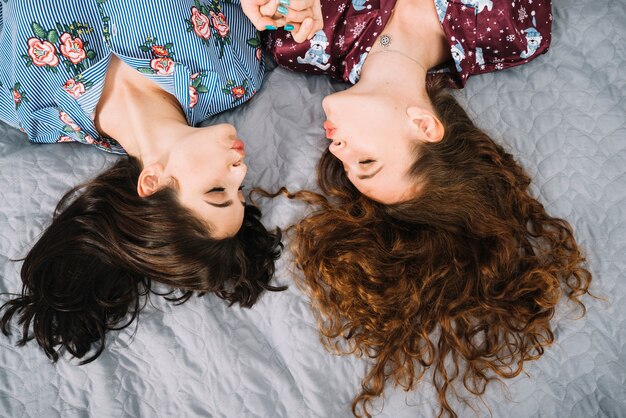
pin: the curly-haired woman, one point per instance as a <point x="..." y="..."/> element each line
<point x="134" y="78"/>
<point x="430" y="254"/>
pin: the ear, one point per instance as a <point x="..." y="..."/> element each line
<point x="149" y="180"/>
<point x="426" y="124"/>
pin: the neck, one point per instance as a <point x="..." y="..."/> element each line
<point x="392" y="73"/>
<point x="401" y="66"/>
<point x="139" y="114"/>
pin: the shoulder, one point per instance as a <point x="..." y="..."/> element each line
<point x="490" y="35"/>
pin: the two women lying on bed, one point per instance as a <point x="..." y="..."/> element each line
<point x="431" y="246"/>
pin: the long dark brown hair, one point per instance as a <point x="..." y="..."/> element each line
<point x="460" y="281"/>
<point x="93" y="266"/>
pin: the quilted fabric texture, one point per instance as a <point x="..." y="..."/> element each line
<point x="563" y="116"/>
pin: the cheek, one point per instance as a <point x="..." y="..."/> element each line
<point x="207" y="157"/>
<point x="202" y="172"/>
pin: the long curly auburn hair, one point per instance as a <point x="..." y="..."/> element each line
<point x="461" y="281"/>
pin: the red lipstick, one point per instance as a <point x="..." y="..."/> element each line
<point x="330" y="129"/>
<point x="239" y="146"/>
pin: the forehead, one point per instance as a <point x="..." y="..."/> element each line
<point x="222" y="222"/>
<point x="393" y="183"/>
<point x="390" y="185"/>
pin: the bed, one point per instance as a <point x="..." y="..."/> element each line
<point x="563" y="116"/>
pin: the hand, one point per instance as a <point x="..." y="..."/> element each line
<point x="261" y="12"/>
<point x="301" y="17"/>
<point x="304" y="17"/>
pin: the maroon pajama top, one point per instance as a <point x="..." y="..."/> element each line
<point x="484" y="36"/>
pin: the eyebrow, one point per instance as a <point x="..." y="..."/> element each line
<point x="225" y="204"/>
<point x="369" y="176"/>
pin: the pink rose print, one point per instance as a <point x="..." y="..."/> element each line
<point x="238" y="92"/>
<point x="89" y="139"/>
<point x="162" y="66"/>
<point x="42" y="53"/>
<point x="194" y="76"/>
<point x="159" y="51"/>
<point x="219" y="23"/>
<point x="17" y="97"/>
<point x="65" y="118"/>
<point x="72" y="48"/>
<point x="65" y="139"/>
<point x="193" y="96"/>
<point x="201" y="24"/>
<point x="74" y="88"/>
<point x="259" y="54"/>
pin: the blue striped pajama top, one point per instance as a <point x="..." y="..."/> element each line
<point x="54" y="56"/>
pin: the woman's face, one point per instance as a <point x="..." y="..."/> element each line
<point x="371" y="135"/>
<point x="209" y="169"/>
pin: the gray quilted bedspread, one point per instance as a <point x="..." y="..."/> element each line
<point x="563" y="115"/>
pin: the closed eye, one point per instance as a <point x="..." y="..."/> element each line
<point x="226" y="203"/>
<point x="365" y="162"/>
<point x="222" y="189"/>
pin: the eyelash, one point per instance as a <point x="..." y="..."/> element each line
<point x="367" y="162"/>
<point x="221" y="189"/>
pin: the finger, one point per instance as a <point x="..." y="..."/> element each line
<point x="318" y="22"/>
<point x="268" y="23"/>
<point x="269" y="8"/>
<point x="279" y="21"/>
<point x="298" y="5"/>
<point x="296" y="16"/>
<point x="292" y="27"/>
<point x="302" y="33"/>
<point x="246" y="4"/>
<point x="314" y="29"/>
<point x="274" y="23"/>
<point x="251" y="8"/>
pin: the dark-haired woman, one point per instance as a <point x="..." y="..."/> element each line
<point x="134" y="78"/>
<point x="430" y="256"/>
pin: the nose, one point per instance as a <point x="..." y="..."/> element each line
<point x="327" y="104"/>
<point x="337" y="146"/>
<point x="239" y="164"/>
<point x="238" y="170"/>
<point x="341" y="150"/>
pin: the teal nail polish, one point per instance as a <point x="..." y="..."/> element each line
<point x="284" y="2"/>
<point x="282" y="10"/>
<point x="270" y="27"/>
<point x="288" y="27"/>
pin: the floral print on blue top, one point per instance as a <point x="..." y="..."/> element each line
<point x="53" y="60"/>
